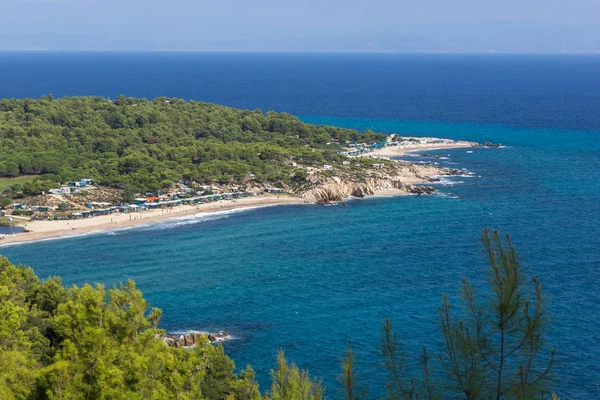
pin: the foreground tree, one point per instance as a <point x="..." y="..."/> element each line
<point x="98" y="343"/>
<point x="291" y="383"/>
<point x="494" y="349"/>
<point x="351" y="387"/>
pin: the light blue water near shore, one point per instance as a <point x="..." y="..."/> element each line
<point x="310" y="278"/>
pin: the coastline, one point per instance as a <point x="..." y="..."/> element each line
<point x="43" y="230"/>
<point x="40" y="230"/>
<point x="397" y="151"/>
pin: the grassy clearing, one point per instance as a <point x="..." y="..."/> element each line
<point x="7" y="182"/>
<point x="4" y="221"/>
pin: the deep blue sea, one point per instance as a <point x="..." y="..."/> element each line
<point x="307" y="278"/>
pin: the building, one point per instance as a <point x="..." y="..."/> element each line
<point x="95" y="205"/>
<point x="42" y="209"/>
<point x="327" y="167"/>
<point x="273" y="190"/>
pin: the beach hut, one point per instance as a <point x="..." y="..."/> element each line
<point x="41" y="208"/>
<point x="42" y="217"/>
<point x="61" y="216"/>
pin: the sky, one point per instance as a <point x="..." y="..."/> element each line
<point x="213" y="20"/>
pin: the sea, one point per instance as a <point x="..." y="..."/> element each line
<point x="309" y="279"/>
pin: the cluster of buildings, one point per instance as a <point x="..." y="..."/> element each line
<point x="72" y="188"/>
<point x="356" y="149"/>
<point x="185" y="196"/>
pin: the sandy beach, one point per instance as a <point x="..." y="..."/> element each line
<point x="397" y="151"/>
<point x="37" y="230"/>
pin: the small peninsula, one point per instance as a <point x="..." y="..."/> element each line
<point x="81" y="164"/>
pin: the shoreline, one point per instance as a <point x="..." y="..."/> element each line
<point x="398" y="151"/>
<point x="43" y="230"/>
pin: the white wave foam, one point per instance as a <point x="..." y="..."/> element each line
<point x="197" y="218"/>
<point x="446" y="195"/>
<point x="61" y="237"/>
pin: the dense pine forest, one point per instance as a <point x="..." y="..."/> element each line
<point x="146" y="145"/>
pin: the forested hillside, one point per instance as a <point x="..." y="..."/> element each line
<point x="147" y="145"/>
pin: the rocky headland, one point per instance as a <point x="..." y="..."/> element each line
<point x="382" y="176"/>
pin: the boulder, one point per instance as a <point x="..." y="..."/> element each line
<point x="490" y="144"/>
<point x="419" y="190"/>
<point x="192" y="338"/>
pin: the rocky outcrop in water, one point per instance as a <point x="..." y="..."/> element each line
<point x="419" y="190"/>
<point x="192" y="338"/>
<point x="490" y="144"/>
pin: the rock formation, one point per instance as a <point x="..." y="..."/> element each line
<point x="399" y="175"/>
<point x="490" y="144"/>
<point x="191" y="338"/>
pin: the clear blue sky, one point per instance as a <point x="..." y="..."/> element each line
<point x="232" y="19"/>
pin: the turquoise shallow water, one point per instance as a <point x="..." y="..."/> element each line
<point x="309" y="278"/>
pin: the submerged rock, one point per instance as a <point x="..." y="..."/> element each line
<point x="430" y="155"/>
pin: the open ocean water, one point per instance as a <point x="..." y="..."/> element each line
<point x="307" y="278"/>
